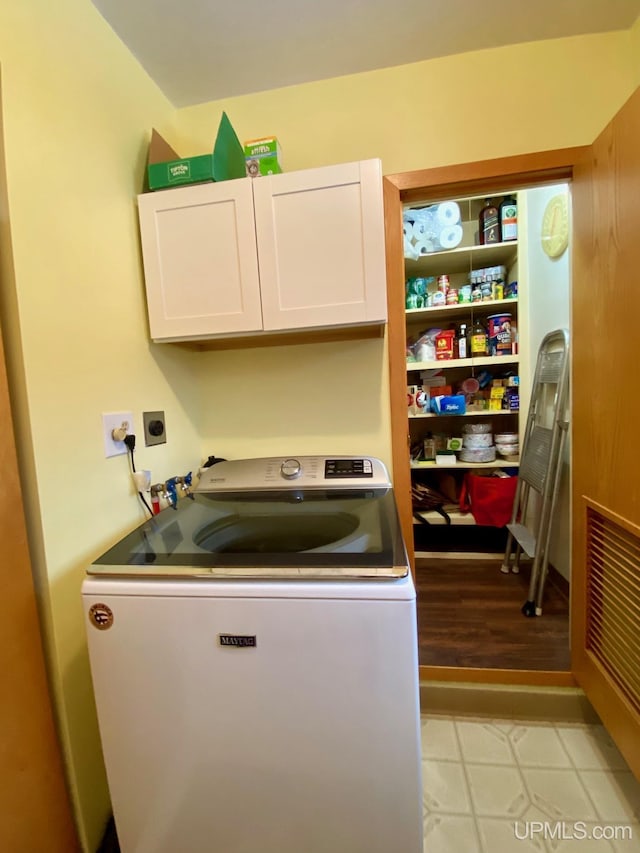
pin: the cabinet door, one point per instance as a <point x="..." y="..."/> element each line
<point x="200" y="260"/>
<point x="320" y="236"/>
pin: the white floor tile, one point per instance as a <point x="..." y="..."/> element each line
<point x="445" y="788"/>
<point x="559" y="794"/>
<point x="578" y="838"/>
<point x="616" y="794"/>
<point x="591" y="748"/>
<point x="450" y="834"/>
<point x="497" y="791"/>
<point x="507" y="836"/>
<point x="439" y="739"/>
<point x="484" y="743"/>
<point x="538" y="746"/>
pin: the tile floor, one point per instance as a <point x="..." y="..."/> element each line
<point x="493" y="786"/>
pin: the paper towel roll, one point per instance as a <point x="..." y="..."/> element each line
<point x="448" y="213"/>
<point x="450" y="237"/>
<point x="419" y="229"/>
<point x="409" y="251"/>
<point x="422" y="247"/>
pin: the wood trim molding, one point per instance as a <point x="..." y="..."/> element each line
<point x="518" y="171"/>
<point x="515" y="172"/>
<point x="533" y="678"/>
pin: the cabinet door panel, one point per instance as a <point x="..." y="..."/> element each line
<point x="200" y="260"/>
<point x="320" y="236"/>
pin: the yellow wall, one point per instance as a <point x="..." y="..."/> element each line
<point x="440" y="111"/>
<point x="426" y="114"/>
<point x="77" y="110"/>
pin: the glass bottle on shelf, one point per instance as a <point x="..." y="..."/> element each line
<point x="479" y="343"/>
<point x="489" y="224"/>
<point x="509" y="218"/>
<point x="462" y="344"/>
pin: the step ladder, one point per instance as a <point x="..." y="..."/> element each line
<point x="540" y="465"/>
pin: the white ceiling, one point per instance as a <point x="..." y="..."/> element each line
<point x="203" y="50"/>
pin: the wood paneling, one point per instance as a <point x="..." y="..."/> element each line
<point x="34" y="803"/>
<point x="606" y="409"/>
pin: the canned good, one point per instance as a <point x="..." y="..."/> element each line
<point x="452" y="297"/>
<point x="443" y="284"/>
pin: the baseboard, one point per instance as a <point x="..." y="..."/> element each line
<point x="507" y="701"/>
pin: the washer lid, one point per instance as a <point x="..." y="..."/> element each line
<point x="300" y="533"/>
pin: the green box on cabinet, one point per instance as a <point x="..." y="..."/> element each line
<point x="263" y="156"/>
<point x="165" y="168"/>
<point x="186" y="170"/>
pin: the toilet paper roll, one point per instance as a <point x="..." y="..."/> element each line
<point x="447" y="213"/>
<point x="450" y="237"/>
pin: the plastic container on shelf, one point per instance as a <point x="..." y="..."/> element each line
<point x="480" y="454"/>
<point x="474" y="441"/>
<point x="476" y="429"/>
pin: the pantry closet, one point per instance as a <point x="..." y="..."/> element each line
<point x="469" y="612"/>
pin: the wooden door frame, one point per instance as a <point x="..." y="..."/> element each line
<point x="521" y="171"/>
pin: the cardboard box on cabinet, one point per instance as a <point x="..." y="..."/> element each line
<point x="165" y="168"/>
<point x="263" y="156"/>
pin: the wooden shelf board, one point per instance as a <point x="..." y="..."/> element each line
<point x="457" y="518"/>
<point x="431" y="466"/>
<point x="483" y="413"/>
<point x="461" y="259"/>
<point x="487" y="361"/>
<point x="447" y="311"/>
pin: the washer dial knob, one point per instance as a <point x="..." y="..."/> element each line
<point x="290" y="469"/>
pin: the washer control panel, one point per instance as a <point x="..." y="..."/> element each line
<point x="296" y="472"/>
<point x="339" y="468"/>
<point x="290" y="469"/>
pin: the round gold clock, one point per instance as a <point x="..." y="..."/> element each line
<point x="555" y="226"/>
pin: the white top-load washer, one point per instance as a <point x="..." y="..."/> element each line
<point x="254" y="661"/>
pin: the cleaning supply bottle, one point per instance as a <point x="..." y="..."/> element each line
<point x="509" y="218"/>
<point x="489" y="223"/>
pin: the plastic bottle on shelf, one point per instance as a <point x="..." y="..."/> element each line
<point x="489" y="224"/>
<point x="509" y="218"/>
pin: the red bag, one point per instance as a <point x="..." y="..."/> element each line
<point x="490" y="499"/>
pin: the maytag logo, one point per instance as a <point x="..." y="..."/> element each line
<point x="238" y="640"/>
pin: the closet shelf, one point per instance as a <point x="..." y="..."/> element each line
<point x="447" y="312"/>
<point x="483" y="413"/>
<point x="463" y="362"/>
<point x="433" y="466"/>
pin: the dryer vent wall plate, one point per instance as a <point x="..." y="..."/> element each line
<point x="155" y="428"/>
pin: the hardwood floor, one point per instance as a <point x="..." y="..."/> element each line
<point x="469" y="615"/>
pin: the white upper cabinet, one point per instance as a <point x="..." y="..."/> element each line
<point x="200" y="260"/>
<point x="320" y="239"/>
<point x="300" y="250"/>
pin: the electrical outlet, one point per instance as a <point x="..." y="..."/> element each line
<point x="111" y="421"/>
<point x="155" y="428"/>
